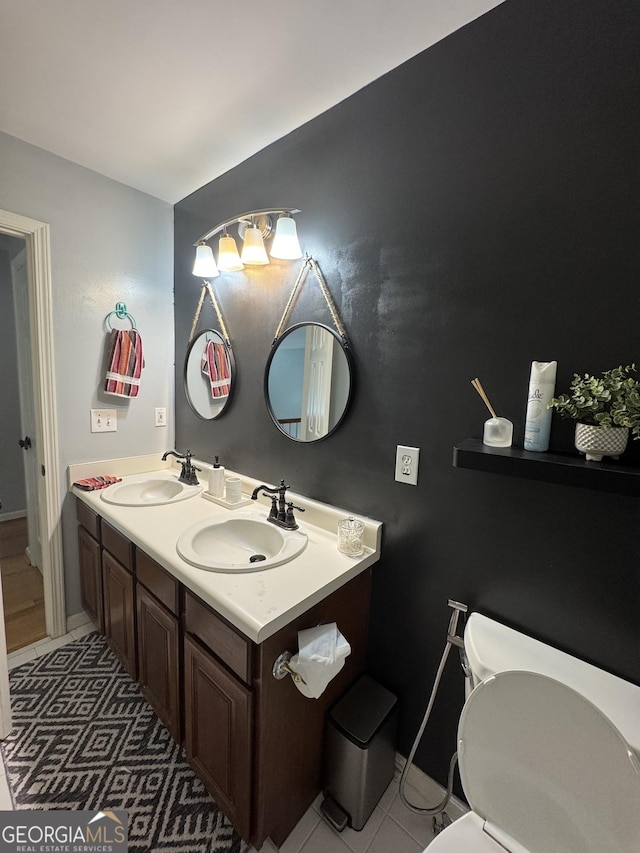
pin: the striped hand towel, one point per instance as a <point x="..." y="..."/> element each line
<point x="90" y="484"/>
<point x="215" y="365"/>
<point x="125" y="363"/>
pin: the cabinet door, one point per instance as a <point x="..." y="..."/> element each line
<point x="218" y="733"/>
<point x="91" y="577"/>
<point x="158" y="659"/>
<point x="119" y="615"/>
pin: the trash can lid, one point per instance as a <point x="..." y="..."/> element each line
<point x="363" y="710"/>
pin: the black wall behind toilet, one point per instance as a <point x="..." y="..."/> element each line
<point x="473" y="210"/>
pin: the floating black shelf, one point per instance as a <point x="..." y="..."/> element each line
<point x="564" y="468"/>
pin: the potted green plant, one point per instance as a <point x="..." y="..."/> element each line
<point x="604" y="408"/>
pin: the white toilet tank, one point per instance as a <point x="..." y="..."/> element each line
<point x="492" y="647"/>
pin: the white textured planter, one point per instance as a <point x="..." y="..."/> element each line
<point x="597" y="442"/>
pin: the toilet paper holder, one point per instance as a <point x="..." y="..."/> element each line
<point x="281" y="668"/>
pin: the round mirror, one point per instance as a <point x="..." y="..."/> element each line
<point x="308" y="382"/>
<point x="208" y="374"/>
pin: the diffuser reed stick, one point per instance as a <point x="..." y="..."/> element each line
<point x="478" y="386"/>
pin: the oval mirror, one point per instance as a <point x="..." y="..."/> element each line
<point x="208" y="374"/>
<point x="308" y="382"/>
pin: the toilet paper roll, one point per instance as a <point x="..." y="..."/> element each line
<point x="322" y="652"/>
<point x="318" y="644"/>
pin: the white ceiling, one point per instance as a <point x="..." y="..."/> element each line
<point x="165" y="95"/>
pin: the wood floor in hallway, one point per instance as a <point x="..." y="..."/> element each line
<point x="22" y="588"/>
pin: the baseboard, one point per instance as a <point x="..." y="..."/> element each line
<point x="9" y="516"/>
<point x="27" y="554"/>
<point x="77" y="620"/>
<point x="429" y="792"/>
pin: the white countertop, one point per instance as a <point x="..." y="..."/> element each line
<point x="257" y="603"/>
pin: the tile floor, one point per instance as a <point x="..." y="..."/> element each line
<point x="391" y="827"/>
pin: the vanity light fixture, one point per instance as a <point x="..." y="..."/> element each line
<point x="254" y="252"/>
<point x="254" y="228"/>
<point x="205" y="265"/>
<point x="285" y="243"/>
<point x="228" y="257"/>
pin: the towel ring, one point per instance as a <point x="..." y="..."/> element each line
<point x="122" y="314"/>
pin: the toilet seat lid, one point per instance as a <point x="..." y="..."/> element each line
<point x="545" y="766"/>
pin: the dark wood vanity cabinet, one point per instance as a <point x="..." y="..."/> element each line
<point x="91" y="577"/>
<point x="159" y="642"/>
<point x="230" y="690"/>
<point x="90" y="564"/>
<point x="119" y="610"/>
<point x="219" y="733"/>
<point x="254" y="741"/>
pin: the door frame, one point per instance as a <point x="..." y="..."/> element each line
<point x="37" y="239"/>
<point x="20" y="285"/>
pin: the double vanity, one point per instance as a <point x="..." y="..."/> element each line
<point x="198" y="601"/>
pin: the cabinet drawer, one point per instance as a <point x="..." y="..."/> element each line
<point x="88" y="519"/>
<point x="229" y="646"/>
<point x="157" y="580"/>
<point x="117" y="545"/>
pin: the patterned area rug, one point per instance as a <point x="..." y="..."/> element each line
<point x="85" y="738"/>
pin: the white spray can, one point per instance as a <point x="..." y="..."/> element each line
<point x="542" y="385"/>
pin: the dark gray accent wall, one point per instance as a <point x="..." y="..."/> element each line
<point x="473" y="210"/>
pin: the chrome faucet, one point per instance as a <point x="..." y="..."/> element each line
<point x="281" y="510"/>
<point x="188" y="473"/>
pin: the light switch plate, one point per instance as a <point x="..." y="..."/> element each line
<point x="104" y="420"/>
<point x="407" y="459"/>
<point x="160" y="416"/>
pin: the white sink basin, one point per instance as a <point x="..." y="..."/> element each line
<point x="149" y="492"/>
<point x="246" y="543"/>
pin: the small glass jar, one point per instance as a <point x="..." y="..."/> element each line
<point x="498" y="432"/>
<point x="233" y="489"/>
<point x="350" y="532"/>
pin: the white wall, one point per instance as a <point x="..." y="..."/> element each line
<point x="109" y="243"/>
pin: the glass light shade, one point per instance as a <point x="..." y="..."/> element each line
<point x="228" y="257"/>
<point x="205" y="265"/>
<point x="285" y="243"/>
<point x="254" y="251"/>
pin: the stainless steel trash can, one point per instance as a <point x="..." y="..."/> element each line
<point x="359" y="758"/>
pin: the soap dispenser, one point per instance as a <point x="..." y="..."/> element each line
<point x="216" y="480"/>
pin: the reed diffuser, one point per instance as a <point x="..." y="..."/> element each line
<point x="498" y="432"/>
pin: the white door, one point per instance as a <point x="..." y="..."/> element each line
<point x="316" y="388"/>
<point x="27" y="409"/>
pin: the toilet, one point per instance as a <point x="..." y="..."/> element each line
<point x="548" y="751"/>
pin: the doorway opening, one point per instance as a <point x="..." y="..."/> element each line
<point x="45" y="438"/>
<point x="20" y="550"/>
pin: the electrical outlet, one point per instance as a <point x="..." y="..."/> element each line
<point x="407" y="459"/>
<point x="104" y="420"/>
<point x="161" y="417"/>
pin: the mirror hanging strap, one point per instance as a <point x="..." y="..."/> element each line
<point x="311" y="263"/>
<point x="206" y="287"/>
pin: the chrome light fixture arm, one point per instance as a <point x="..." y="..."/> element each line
<point x="247" y="219"/>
